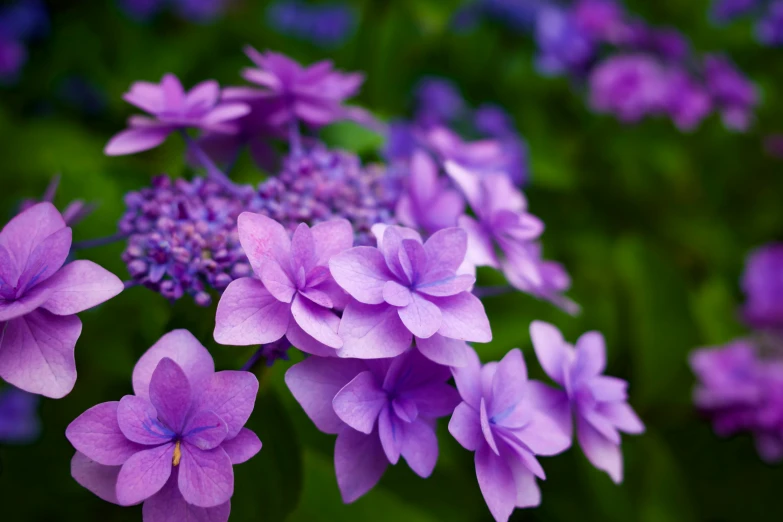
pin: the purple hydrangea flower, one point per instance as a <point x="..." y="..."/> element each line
<point x="311" y="94"/>
<point x="39" y="297"/>
<point x="770" y="28"/>
<point x="732" y="93"/>
<point x="501" y="420"/>
<point x="294" y="294"/>
<point x="597" y="402"/>
<point x="173" y="443"/>
<point x="381" y="410"/>
<point x="496" y="123"/>
<point x="328" y="25"/>
<point x="762" y="283"/>
<point x="562" y="46"/>
<point x="687" y="102"/>
<point x="173" y="109"/>
<point x="429" y="203"/>
<point x="728" y="10"/>
<point x="438" y="101"/>
<point x="407" y="289"/>
<point x="19" y="423"/>
<point x="629" y="86"/>
<point x="602" y="20"/>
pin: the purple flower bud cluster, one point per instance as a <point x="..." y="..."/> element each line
<point x="741" y="383"/>
<point x="327" y="25"/>
<point x="20" y="22"/>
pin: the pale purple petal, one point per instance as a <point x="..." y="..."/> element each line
<point x="206" y="478"/>
<point x="468" y="379"/>
<point x="224" y="112"/>
<point x="96" y="433"/>
<point x="554" y="403"/>
<point x="144" y="474"/>
<point x="359" y="402"/>
<point x="481" y="251"/>
<point x="80" y="285"/>
<point x="231" y="395"/>
<point x="390" y="246"/>
<point x="601" y="424"/>
<point x="203" y="96"/>
<point x="31" y="300"/>
<point x="486" y="427"/>
<point x="599" y="450"/>
<point x="420" y="447"/>
<point x="139" y="422"/>
<point x="315" y="381"/>
<point x="465" y="426"/>
<point x="305" y="342"/>
<point x="181" y="347"/>
<point x="528" y="492"/>
<point x="243" y="447"/>
<point x="421" y="317"/>
<point x="46" y="258"/>
<point x="99" y="479"/>
<point x="433" y="400"/>
<point x="362" y="272"/>
<point x="303" y="248"/>
<point x="445" y="284"/>
<point x="446" y="249"/>
<point x="331" y="238"/>
<point x="262" y="238"/>
<point x="170" y="393"/>
<point x="607" y="388"/>
<point x="590" y="356"/>
<point x="543" y="435"/>
<point x="445" y="351"/>
<point x="395" y="294"/>
<point x="248" y="314"/>
<point x="359" y="462"/>
<point x="464" y="318"/>
<point x="136" y="140"/>
<point x="277" y="281"/>
<point x="468" y="182"/>
<point x="372" y="332"/>
<point x="319" y="322"/>
<point x="508" y="386"/>
<point x="37" y="353"/>
<point x="390" y="434"/>
<point x="318" y="297"/>
<point x="551" y="350"/>
<point x="205" y="430"/>
<point x="622" y="416"/>
<point x="25" y="231"/>
<point x="496" y="483"/>
<point x="413" y="259"/>
<point x="168" y="505"/>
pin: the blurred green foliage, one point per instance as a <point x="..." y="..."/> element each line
<point x="652" y="224"/>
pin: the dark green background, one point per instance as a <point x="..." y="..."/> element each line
<point x="652" y="224"/>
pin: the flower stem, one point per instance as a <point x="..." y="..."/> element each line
<point x="212" y="170"/>
<point x="491" y="291"/>
<point x="99" y="242"/>
<point x="253" y="360"/>
<point x="294" y="137"/>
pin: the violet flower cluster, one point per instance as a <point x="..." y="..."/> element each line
<point x="740" y="386"/>
<point x="767" y="16"/>
<point x="327" y="25"/>
<point x="20" y="22"/>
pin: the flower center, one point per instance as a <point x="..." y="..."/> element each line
<point x="177" y="454"/>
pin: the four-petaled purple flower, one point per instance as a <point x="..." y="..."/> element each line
<point x="429" y="203"/>
<point x="172" y="445"/>
<point x="39" y="298"/>
<point x="311" y="94"/>
<point x="407" y="288"/>
<point x="294" y="293"/>
<point x="598" y="402"/>
<point x="173" y="109"/>
<point x="380" y="410"/>
<point x="502" y="422"/>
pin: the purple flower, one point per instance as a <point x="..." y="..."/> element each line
<point x="294" y="294"/>
<point x="327" y="25"/>
<point x="405" y="289"/>
<point x="598" y="402"/>
<point x="762" y="283"/>
<point x="732" y="93"/>
<point x="501" y="421"/>
<point x="201" y="10"/>
<point x="438" y="101"/>
<point x="482" y="155"/>
<point x="496" y="123"/>
<point x="728" y="10"/>
<point x="770" y="28"/>
<point x="688" y="103"/>
<point x="311" y="94"/>
<point x="173" y="443"/>
<point x="19" y="423"/>
<point x="381" y="410"/>
<point x="562" y="46"/>
<point x="39" y="298"/>
<point x="629" y="86"/>
<point x="173" y="109"/>
<point x="429" y="203"/>
<point x="13" y="56"/>
<point x="601" y="20"/>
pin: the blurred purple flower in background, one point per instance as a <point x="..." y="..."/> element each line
<point x="327" y="25"/>
<point x="200" y="11"/>
<point x="770" y="28"/>
<point x="728" y="10"/>
<point x="20" y="22"/>
<point x="732" y="93"/>
<point x="762" y="283"/>
<point x="19" y="422"/>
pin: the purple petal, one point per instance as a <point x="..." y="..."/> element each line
<point x="315" y="381"/>
<point x="551" y="350"/>
<point x="231" y="395"/>
<point x="168" y="505"/>
<point x="590" y="355"/>
<point x="391" y="434"/>
<point x="136" y="140"/>
<point x="319" y="322"/>
<point x="305" y="342"/>
<point x="446" y="249"/>
<point x="224" y="112"/>
<point x="243" y="447"/>
<point x="405" y="408"/>
<point x="359" y="402"/>
<point x="486" y="427"/>
<point x="421" y="317"/>
<point x="262" y="238"/>
<point x="248" y="314"/>
<point x="303" y="248"/>
<point x="543" y="435"/>
<point x="181" y="347"/>
<point x="434" y="400"/>
<point x="420" y="447"/>
<point x="468" y="182"/>
<point x="508" y="386"/>
<point x="445" y="351"/>
<point x="96" y="433"/>
<point x="395" y="294"/>
<point x="446" y="284"/>
<point x="36" y="353"/>
<point x="599" y="450"/>
<point x="331" y="238"/>
<point x="413" y="259"/>
<point x="465" y="426"/>
<point x="528" y="493"/>
<point x="144" y="474"/>
<point x="205" y="430"/>
<point x="139" y="422"/>
<point x="206" y="478"/>
<point x="46" y="259"/>
<point x="80" y="285"/>
<point x="496" y="483"/>
<point x="359" y="462"/>
<point x="622" y="416"/>
<point x="601" y="424"/>
<point x="318" y="297"/>
<point x="609" y="389"/>
<point x="464" y="318"/>
<point x="554" y="403"/>
<point x="99" y="479"/>
<point x="277" y="281"/>
<point x="362" y="272"/>
<point x="170" y="393"/>
<point x="372" y="332"/>
<point x="23" y="233"/>
<point x="31" y="300"/>
<point x="390" y="245"/>
<point x="202" y="96"/>
<point x="468" y="379"/>
<point x="481" y="250"/>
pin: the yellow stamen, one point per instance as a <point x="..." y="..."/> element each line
<point x="177" y="454"/>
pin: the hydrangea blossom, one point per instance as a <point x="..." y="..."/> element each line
<point x="500" y="419"/>
<point x="381" y="410"/>
<point x="405" y="289"/>
<point x="39" y="297"/>
<point x="327" y="25"/>
<point x="173" y="109"/>
<point x="19" y="422"/>
<point x="294" y="294"/>
<point x="173" y="443"/>
<point x="597" y="402"/>
<point x="763" y="285"/>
